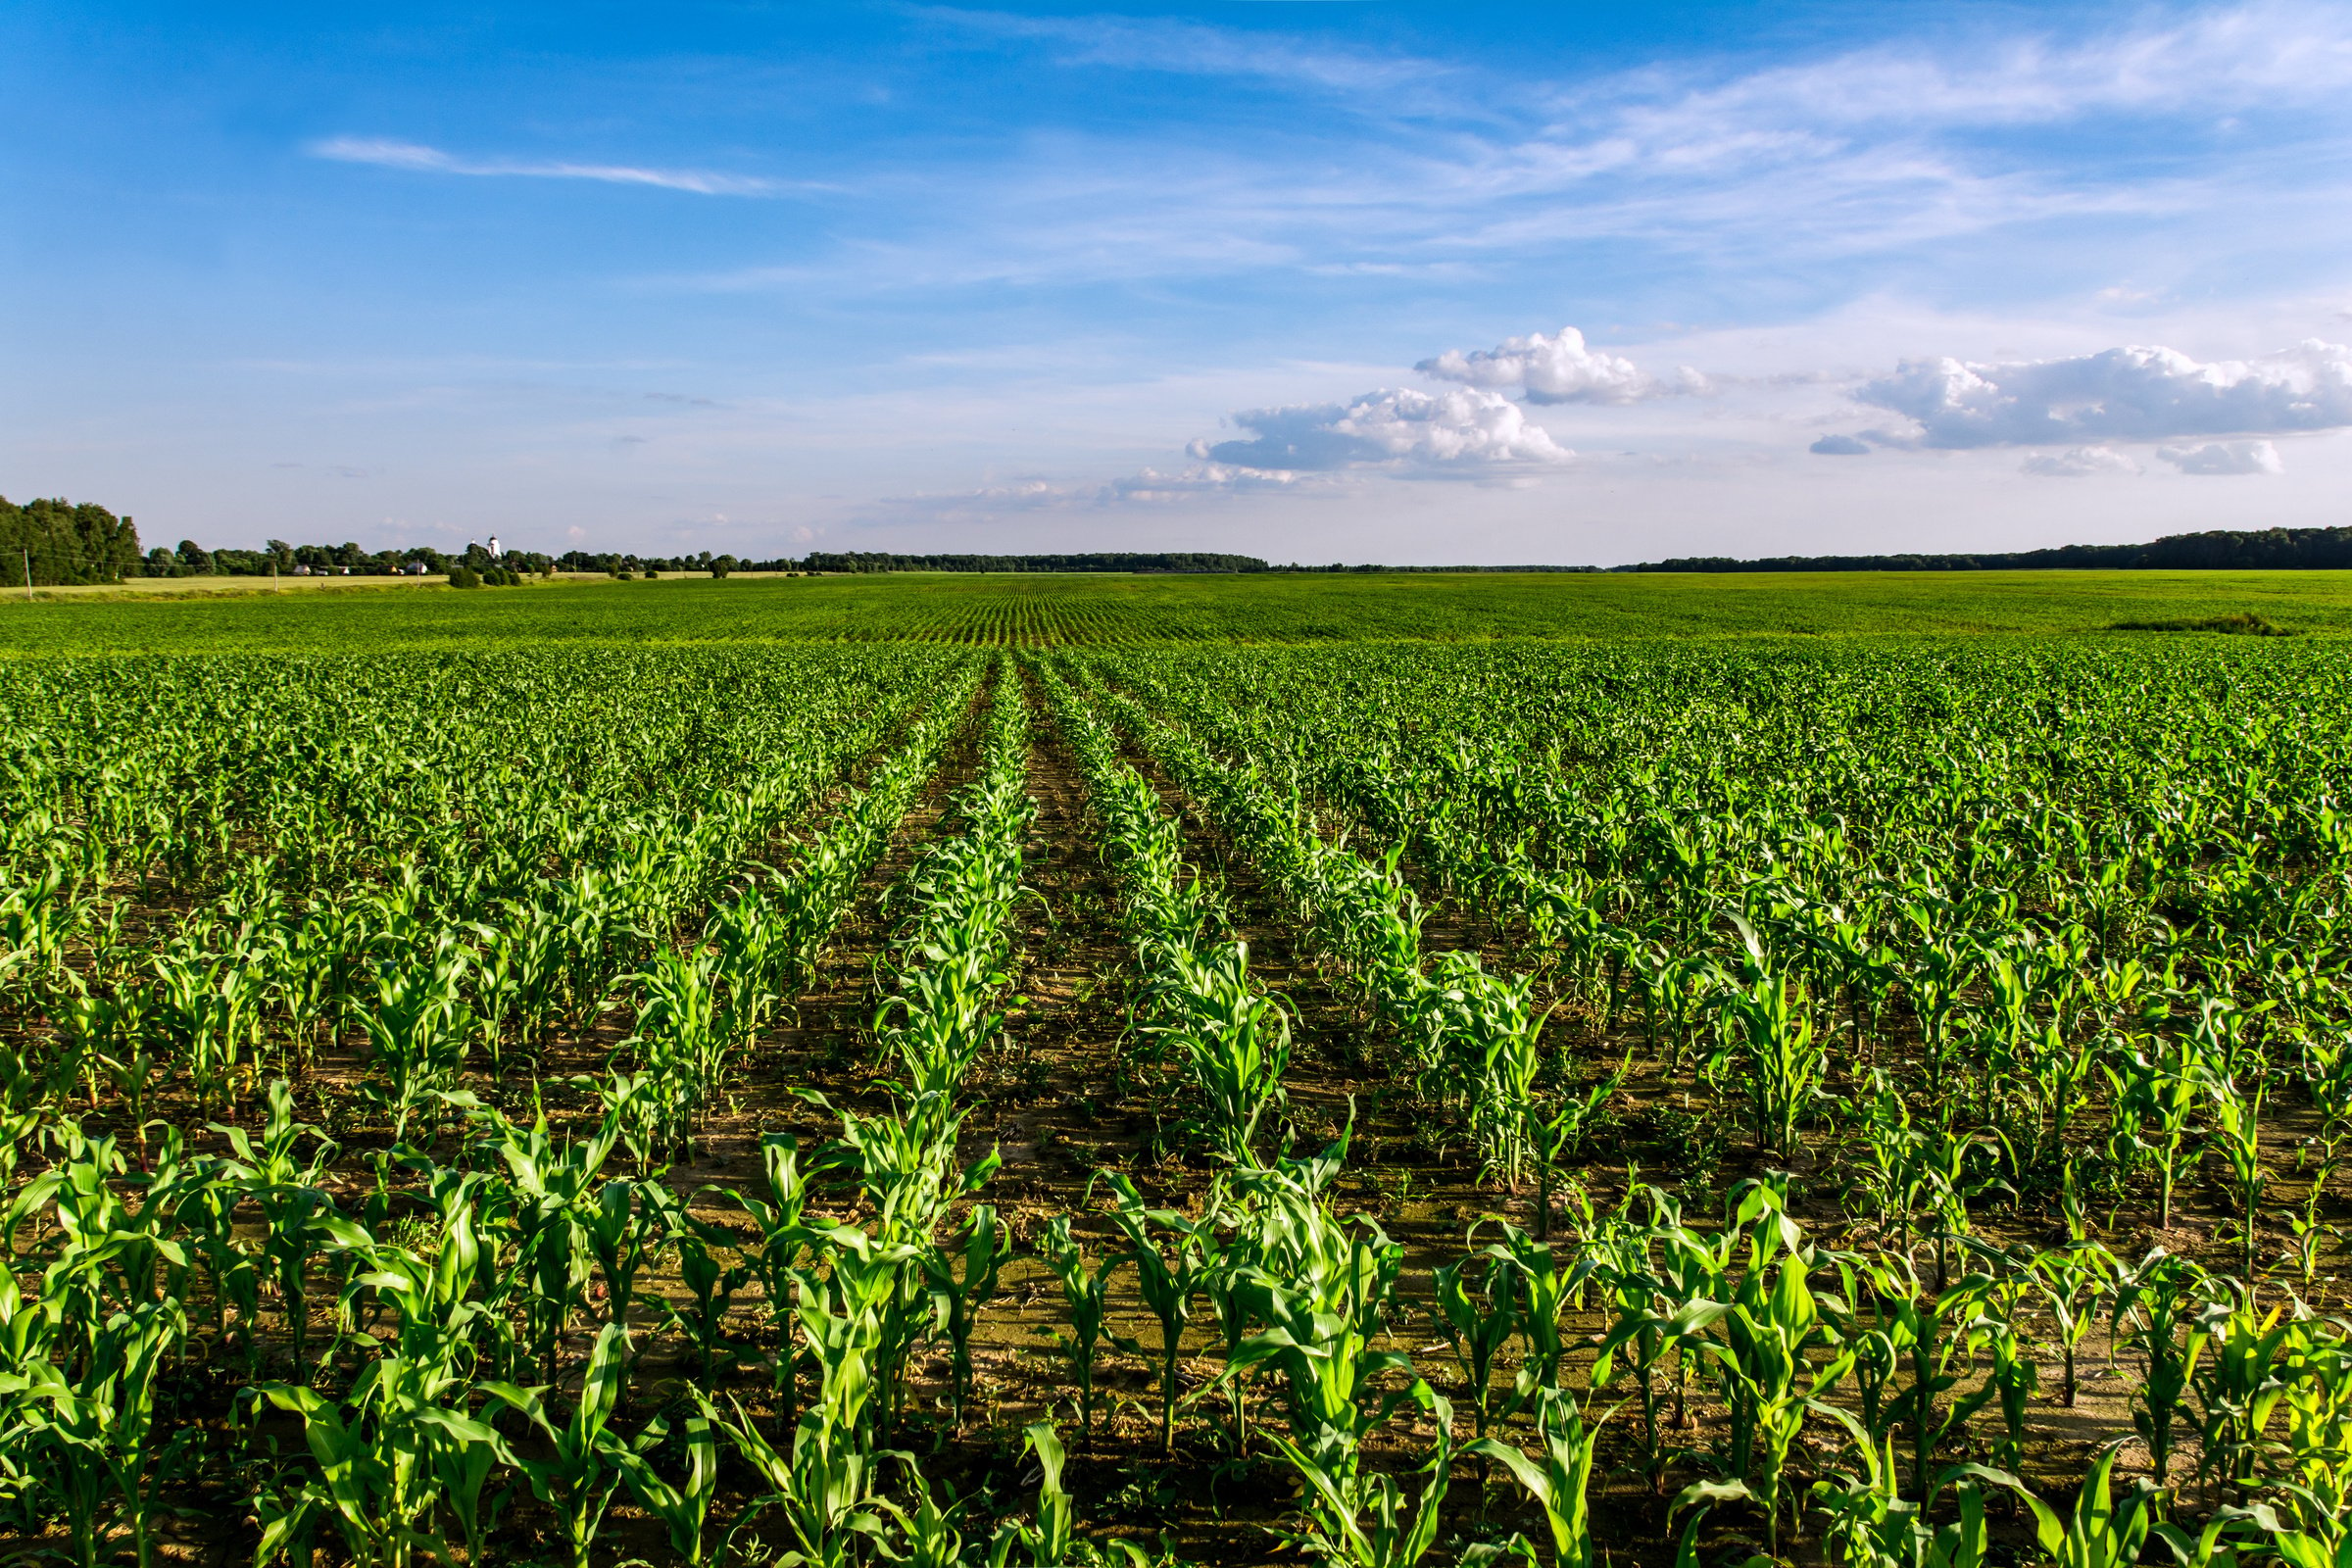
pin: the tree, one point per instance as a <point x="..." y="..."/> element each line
<point x="61" y="542"/>
<point x="195" y="558"/>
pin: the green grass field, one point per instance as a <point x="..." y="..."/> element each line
<point x="1115" y="610"/>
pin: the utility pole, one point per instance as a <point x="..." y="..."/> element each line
<point x="27" y="554"/>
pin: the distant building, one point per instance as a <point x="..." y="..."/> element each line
<point x="495" y="551"/>
<point x="411" y="568"/>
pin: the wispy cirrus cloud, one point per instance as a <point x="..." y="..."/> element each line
<point x="386" y="153"/>
<point x="1194" y="49"/>
<point x="1398" y="168"/>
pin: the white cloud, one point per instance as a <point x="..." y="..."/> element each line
<point x="2077" y="462"/>
<point x="1208" y="478"/>
<point x="1185" y="48"/>
<point x="1839" y="446"/>
<point x="2124" y="394"/>
<point x="1458" y="429"/>
<point x="386" y="154"/>
<point x="2225" y="456"/>
<point x="1558" y="368"/>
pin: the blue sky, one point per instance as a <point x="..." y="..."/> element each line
<point x="1334" y="280"/>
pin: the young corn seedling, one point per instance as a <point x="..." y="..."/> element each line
<point x="1762" y="1348"/>
<point x="1234" y="1039"/>
<point x="1547" y="1275"/>
<point x="1053" y="1540"/>
<point x="1324" y="1294"/>
<point x="928" y="1537"/>
<point x="1555" y="1128"/>
<point x="1871" y="1525"/>
<point x="2238" y="1387"/>
<point x="1357" y="1519"/>
<point x="2157" y="1089"/>
<point x="710" y="1285"/>
<point x="1769" y="1038"/>
<point x="961" y="1281"/>
<point x="1170" y="1281"/>
<point x="2317" y="1442"/>
<point x="398" y="1451"/>
<point x="93" y="1423"/>
<point x="1559" y="1480"/>
<point x="823" y="1485"/>
<point x="1086" y="1292"/>
<point x="683" y="1506"/>
<point x="2074" y="1282"/>
<point x="2011" y="1371"/>
<point x="583" y="1457"/>
<point x="1477" y="1319"/>
<point x="2097" y="1533"/>
<point x="2237" y="1137"/>
<point x="1930" y="1337"/>
<point x="773" y="1254"/>
<point x="2157" y="1312"/>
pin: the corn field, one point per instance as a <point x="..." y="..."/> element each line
<point x="1882" y="1104"/>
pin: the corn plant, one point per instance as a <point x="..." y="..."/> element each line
<point x="1549" y="1274"/>
<point x="823" y="1484"/>
<point x="961" y="1281"/>
<point x="1051" y="1540"/>
<point x="1762" y="1346"/>
<point x="398" y="1451"/>
<point x="2237" y="1137"/>
<point x="1872" y="1525"/>
<point x="1477" y="1319"/>
<point x="1234" y="1040"/>
<point x="2097" y="1533"/>
<point x="2158" y="1088"/>
<point x="1358" y="1519"/>
<point x="2316" y="1402"/>
<point x="1323" y="1290"/>
<point x="627" y="1226"/>
<point x="2238" y="1387"/>
<point x="2074" y="1282"/>
<point x="1769" y="1038"/>
<point x="683" y="1506"/>
<point x="1086" y="1293"/>
<point x="419" y="1033"/>
<point x="1929" y="1337"/>
<point x="2158" y="1312"/>
<point x="583" y="1457"/>
<point x="1559" y="1480"/>
<point x="773" y="1254"/>
<point x="1169" y="1275"/>
<point x="95" y="1427"/>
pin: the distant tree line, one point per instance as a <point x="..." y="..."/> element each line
<point x="276" y="556"/>
<point x="2265" y="548"/>
<point x="1103" y="560"/>
<point x="56" y="542"/>
<point x="59" y="542"/>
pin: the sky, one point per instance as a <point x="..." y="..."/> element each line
<point x="1307" y="279"/>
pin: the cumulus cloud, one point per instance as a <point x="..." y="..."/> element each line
<point x="1558" y="368"/>
<point x="386" y="154"/>
<point x="2124" y="393"/>
<point x="2224" y="457"/>
<point x="1454" y="429"/>
<point x="1839" y="446"/>
<point x="2077" y="462"/>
